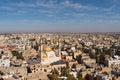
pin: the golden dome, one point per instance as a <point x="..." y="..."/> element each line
<point x="43" y="55"/>
<point x="47" y="48"/>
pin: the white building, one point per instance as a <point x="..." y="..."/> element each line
<point x="88" y="43"/>
<point x="114" y="62"/>
<point x="5" y="63"/>
<point x="49" y="58"/>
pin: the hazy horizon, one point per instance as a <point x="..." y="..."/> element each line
<point x="59" y="16"/>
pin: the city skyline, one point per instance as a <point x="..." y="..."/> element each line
<point x="59" y="16"/>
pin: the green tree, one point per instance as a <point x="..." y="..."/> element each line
<point x="70" y="77"/>
<point x="53" y="77"/>
<point x="118" y="52"/>
<point x="55" y="71"/>
<point x="80" y="79"/>
<point x="98" y="51"/>
<point x="102" y="59"/>
<point x="92" y="55"/>
<point x="97" y="59"/>
<point x="18" y="55"/>
<point x="88" y="77"/>
<point x="74" y="66"/>
<point x="105" y="50"/>
<point x="67" y="65"/>
<point x="79" y="59"/>
<point x="64" y="71"/>
<point x="36" y="47"/>
<point x="109" y="52"/>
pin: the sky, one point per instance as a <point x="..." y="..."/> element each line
<point x="59" y="15"/>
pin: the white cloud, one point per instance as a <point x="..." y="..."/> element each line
<point x="49" y="4"/>
<point x="69" y="4"/>
<point x="53" y="4"/>
<point x="81" y="14"/>
<point x="109" y="8"/>
<point x="52" y="8"/>
<point x="38" y="3"/>
<point x="21" y="12"/>
<point x="7" y="8"/>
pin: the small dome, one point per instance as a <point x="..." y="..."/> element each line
<point x="43" y="55"/>
<point x="47" y="48"/>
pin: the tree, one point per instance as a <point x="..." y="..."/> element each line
<point x="102" y="59"/>
<point x="98" y="59"/>
<point x="54" y="75"/>
<point x="80" y="79"/>
<point x="109" y="52"/>
<point x="71" y="77"/>
<point x="98" y="51"/>
<point x="18" y="55"/>
<point x="36" y="47"/>
<point x="88" y="77"/>
<point x="92" y="55"/>
<point x="118" y="52"/>
<point x="79" y="59"/>
<point x="55" y="71"/>
<point x="105" y="50"/>
<point x="64" y="71"/>
<point x="67" y="65"/>
<point x="74" y="66"/>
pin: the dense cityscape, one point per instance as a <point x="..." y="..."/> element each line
<point x="59" y="39"/>
<point x="60" y="56"/>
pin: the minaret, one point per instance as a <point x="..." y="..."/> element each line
<point x="59" y="45"/>
<point x="40" y="47"/>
